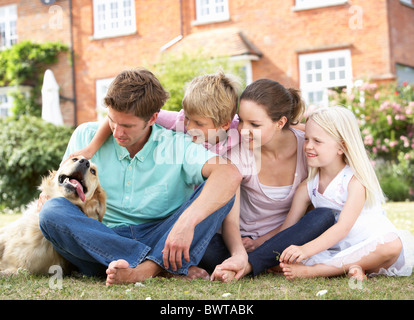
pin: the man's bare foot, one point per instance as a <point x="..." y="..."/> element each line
<point x="119" y="272"/>
<point x="194" y="272"/>
<point x="356" y="272"/>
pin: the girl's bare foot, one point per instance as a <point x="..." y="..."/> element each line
<point x="296" y="270"/>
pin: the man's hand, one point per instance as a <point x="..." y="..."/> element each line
<point x="177" y="244"/>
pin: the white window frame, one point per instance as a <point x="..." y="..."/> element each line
<point x="8" y="18"/>
<point x="112" y="18"/>
<point x="313" y="4"/>
<point x="323" y="70"/>
<point x="6" y="99"/>
<point x="206" y="11"/>
<point x="102" y="86"/>
<point x="246" y="62"/>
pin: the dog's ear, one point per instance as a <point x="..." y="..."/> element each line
<point x="96" y="206"/>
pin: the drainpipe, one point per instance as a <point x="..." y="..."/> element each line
<point x="72" y="56"/>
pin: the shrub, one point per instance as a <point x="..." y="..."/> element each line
<point x="29" y="148"/>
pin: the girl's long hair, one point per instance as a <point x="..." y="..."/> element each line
<point x="342" y="125"/>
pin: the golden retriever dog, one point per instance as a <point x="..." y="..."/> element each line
<point x="22" y="244"/>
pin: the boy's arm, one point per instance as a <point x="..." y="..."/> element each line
<point x="97" y="141"/>
<point x="172" y="120"/>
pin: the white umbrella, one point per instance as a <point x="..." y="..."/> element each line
<point x="50" y="99"/>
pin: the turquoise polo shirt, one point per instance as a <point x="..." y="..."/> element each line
<point x="154" y="183"/>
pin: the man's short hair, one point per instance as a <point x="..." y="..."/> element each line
<point x="136" y="91"/>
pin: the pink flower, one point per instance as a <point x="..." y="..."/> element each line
<point x="396" y="107"/>
<point x="393" y="144"/>
<point x="384" y="105"/>
<point x="389" y="120"/>
<point x="368" y="140"/>
<point x="406" y="142"/>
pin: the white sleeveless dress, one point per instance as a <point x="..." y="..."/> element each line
<point x="370" y="229"/>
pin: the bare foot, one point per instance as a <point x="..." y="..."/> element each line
<point x="194" y="272"/>
<point x="275" y="270"/>
<point x="296" y="270"/>
<point x="224" y="275"/>
<point x="356" y="272"/>
<point x="119" y="272"/>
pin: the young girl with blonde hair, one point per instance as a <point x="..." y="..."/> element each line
<point x="341" y="177"/>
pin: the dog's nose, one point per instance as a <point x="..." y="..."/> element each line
<point x="85" y="162"/>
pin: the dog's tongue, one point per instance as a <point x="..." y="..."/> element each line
<point x="79" y="189"/>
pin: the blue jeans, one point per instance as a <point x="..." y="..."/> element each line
<point x="311" y="226"/>
<point x="91" y="246"/>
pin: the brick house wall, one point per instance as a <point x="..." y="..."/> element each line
<point x="96" y="59"/>
<point x="276" y="28"/>
<point x="376" y="33"/>
<point x="40" y="23"/>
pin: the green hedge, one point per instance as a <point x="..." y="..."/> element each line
<point x="29" y="148"/>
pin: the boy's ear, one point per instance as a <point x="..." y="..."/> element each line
<point x="226" y="126"/>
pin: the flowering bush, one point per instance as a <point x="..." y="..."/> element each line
<point x="386" y="117"/>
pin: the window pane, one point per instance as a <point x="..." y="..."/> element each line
<point x="331" y="63"/>
<point x="318" y="64"/>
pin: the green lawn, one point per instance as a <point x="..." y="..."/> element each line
<point x="264" y="287"/>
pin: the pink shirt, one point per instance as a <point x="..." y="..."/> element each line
<point x="260" y="214"/>
<point x="174" y="120"/>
